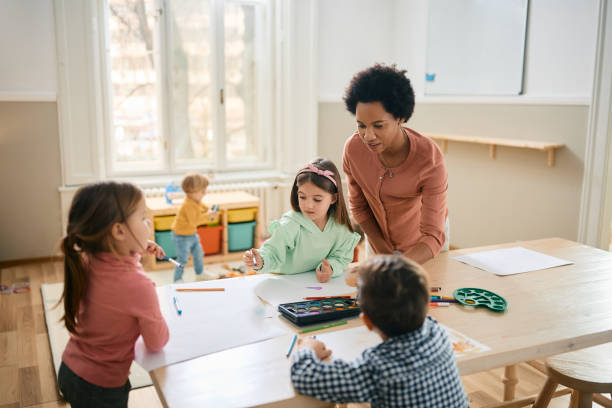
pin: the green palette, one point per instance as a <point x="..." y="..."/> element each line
<point x="481" y="297"/>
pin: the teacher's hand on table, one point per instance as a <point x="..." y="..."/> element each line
<point x="325" y="272"/>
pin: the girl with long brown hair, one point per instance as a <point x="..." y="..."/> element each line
<point x="108" y="299"/>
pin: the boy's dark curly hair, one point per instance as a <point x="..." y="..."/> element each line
<point x="385" y="84"/>
<point x="393" y="293"/>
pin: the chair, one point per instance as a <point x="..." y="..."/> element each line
<point x="587" y="372"/>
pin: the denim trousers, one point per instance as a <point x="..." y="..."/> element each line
<point x="185" y="245"/>
<point x="83" y="394"/>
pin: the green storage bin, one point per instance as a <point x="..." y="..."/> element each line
<point x="164" y="240"/>
<point x="240" y="236"/>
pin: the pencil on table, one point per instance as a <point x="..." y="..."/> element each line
<point x="291" y="345"/>
<point x="201" y="290"/>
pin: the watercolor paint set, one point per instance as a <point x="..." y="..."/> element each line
<point x="319" y="310"/>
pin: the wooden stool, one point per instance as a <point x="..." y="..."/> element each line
<point x="587" y="372"/>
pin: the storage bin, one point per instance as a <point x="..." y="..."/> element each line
<point x="241" y="214"/>
<point x="210" y="239"/>
<point x="164" y="240"/>
<point x="216" y="220"/>
<point x="240" y="236"/>
<point x="163" y="223"/>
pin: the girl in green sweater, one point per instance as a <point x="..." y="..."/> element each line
<point x="316" y="235"/>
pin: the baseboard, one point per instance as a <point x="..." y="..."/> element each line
<point x="17" y="262"/>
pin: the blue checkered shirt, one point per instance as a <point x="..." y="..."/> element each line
<point x="416" y="369"/>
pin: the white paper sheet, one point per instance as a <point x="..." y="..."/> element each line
<point x="210" y="321"/>
<point x="349" y="344"/>
<point x="509" y="261"/>
<point x="279" y="289"/>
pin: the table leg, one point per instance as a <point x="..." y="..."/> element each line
<point x="510" y="380"/>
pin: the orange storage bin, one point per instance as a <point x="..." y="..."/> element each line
<point x="210" y="239"/>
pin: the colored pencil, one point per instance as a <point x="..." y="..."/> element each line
<point x="201" y="290"/>
<point x="291" y="345"/>
<point x="179" y="311"/>
<point x="327" y="326"/>
<point x="325" y="297"/>
<point x="167" y="258"/>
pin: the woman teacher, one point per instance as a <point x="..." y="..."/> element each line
<point x="397" y="179"/>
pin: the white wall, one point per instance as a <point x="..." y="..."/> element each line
<point x="27" y="49"/>
<point x="516" y="196"/>
<point x="353" y="34"/>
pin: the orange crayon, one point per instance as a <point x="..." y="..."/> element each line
<point x="201" y="290"/>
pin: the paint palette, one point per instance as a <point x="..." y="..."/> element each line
<point x="481" y="297"/>
<point x="321" y="310"/>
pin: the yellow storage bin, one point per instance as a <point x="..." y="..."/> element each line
<point x="216" y="220"/>
<point x="163" y="223"/>
<point x="241" y="214"/>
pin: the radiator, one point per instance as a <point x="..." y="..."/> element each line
<point x="273" y="197"/>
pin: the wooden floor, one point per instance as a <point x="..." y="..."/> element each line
<point x="26" y="369"/>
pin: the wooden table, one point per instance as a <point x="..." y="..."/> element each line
<point x="550" y="312"/>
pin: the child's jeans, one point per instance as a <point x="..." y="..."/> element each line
<point x="83" y="394"/>
<point x="185" y="245"/>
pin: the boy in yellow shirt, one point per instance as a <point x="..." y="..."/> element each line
<point x="184" y="228"/>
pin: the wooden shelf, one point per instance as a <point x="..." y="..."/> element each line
<point x="157" y="206"/>
<point x="494" y="142"/>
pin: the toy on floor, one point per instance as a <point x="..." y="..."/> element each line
<point x="15" y="288"/>
<point x="233" y="272"/>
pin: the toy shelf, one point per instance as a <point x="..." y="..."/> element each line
<point x="157" y="206"/>
<point x="548" y="147"/>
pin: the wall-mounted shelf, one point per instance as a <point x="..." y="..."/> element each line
<point x="494" y="142"/>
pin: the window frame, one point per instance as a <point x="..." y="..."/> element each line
<point x="81" y="116"/>
<point x="168" y="163"/>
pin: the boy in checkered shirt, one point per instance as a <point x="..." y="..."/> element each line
<point x="414" y="366"/>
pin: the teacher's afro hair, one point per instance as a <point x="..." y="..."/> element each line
<point x="385" y="84"/>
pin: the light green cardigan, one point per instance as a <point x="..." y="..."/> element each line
<point x="298" y="245"/>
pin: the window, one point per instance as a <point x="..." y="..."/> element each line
<point x="186" y="86"/>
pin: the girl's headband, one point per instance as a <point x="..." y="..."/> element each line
<point x="325" y="173"/>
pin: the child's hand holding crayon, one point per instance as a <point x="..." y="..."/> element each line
<point x="325" y="272"/>
<point x="252" y="259"/>
<point x="155" y="249"/>
<point x="315" y="345"/>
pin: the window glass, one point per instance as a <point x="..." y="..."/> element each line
<point x="241" y="114"/>
<point x="191" y="57"/>
<point x="134" y="107"/>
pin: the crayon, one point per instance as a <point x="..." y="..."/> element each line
<point x="179" y="311"/>
<point x="291" y="345"/>
<point x="201" y="290"/>
<point x="167" y="258"/>
<point x="443" y="301"/>
<point x="435" y="289"/>
<point x="327" y="326"/>
<point x="440" y="304"/>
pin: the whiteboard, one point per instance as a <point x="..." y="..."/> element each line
<point x="476" y="47"/>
